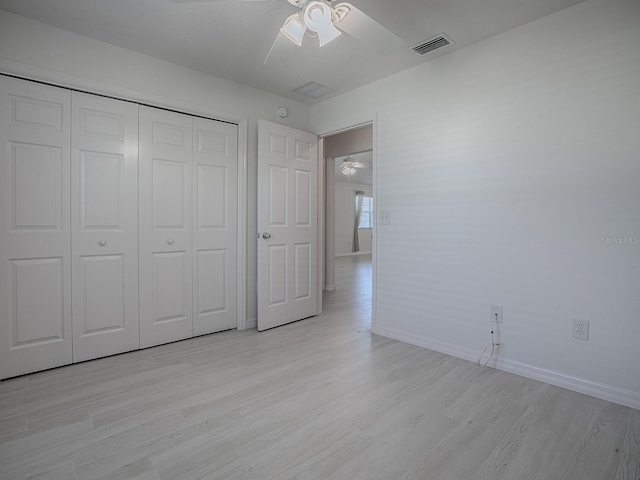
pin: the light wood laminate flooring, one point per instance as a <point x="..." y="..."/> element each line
<point x="318" y="399"/>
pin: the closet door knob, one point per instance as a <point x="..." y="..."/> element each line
<point x="170" y="242"/>
<point x="266" y="235"/>
<point x="102" y="243"/>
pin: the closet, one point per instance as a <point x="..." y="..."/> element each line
<point x="118" y="226"/>
<point x="188" y="205"/>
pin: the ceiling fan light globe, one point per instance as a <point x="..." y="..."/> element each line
<point x="348" y="168"/>
<point x="328" y="34"/>
<point x="294" y="29"/>
<point x="316" y="15"/>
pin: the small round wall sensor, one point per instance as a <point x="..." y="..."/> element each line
<point x="282" y="112"/>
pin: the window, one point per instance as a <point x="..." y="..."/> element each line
<point x="366" y="219"/>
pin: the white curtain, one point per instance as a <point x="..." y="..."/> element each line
<point x="355" y="245"/>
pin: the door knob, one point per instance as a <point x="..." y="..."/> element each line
<point x="102" y="243"/>
<point x="266" y="236"/>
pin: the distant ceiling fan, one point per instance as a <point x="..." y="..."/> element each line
<point x="324" y="20"/>
<point x="349" y="165"/>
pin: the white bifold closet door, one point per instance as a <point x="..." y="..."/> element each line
<point x="104" y="226"/>
<point x="215" y="220"/>
<point x="165" y="227"/>
<point x="35" y="274"/>
<point x="188" y="215"/>
<point x="118" y="226"/>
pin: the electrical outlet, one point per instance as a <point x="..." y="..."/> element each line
<point x="580" y="329"/>
<point x="496" y="313"/>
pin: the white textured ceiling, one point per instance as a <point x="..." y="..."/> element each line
<point x="230" y="39"/>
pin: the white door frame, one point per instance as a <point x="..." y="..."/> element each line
<point x="43" y="75"/>
<point x="328" y="130"/>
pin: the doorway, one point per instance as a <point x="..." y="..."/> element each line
<point x="349" y="216"/>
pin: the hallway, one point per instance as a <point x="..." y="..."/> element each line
<point x="353" y="288"/>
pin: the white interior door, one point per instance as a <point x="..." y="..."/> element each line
<point x="104" y="223"/>
<point x="35" y="274"/>
<point x="215" y="219"/>
<point x="166" y="143"/>
<point x="287" y="222"/>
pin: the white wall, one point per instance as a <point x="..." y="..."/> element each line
<point x="36" y="46"/>
<point x="345" y="219"/>
<point x="349" y="143"/>
<point x="505" y="164"/>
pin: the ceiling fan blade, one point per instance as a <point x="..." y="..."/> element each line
<point x="365" y="29"/>
<point x="363" y="165"/>
<point x="279" y="50"/>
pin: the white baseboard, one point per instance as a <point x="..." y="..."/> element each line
<point x="599" y="390"/>
<point x="252" y="323"/>
<point x="351" y="254"/>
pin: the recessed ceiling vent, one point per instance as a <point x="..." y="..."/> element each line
<point x="433" y="43"/>
<point x="313" y="90"/>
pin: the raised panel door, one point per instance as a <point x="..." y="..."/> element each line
<point x="287" y="220"/>
<point x="35" y="268"/>
<point x="165" y="250"/>
<point x="104" y="220"/>
<point x="214" y="201"/>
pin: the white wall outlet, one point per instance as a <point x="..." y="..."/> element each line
<point x="385" y="217"/>
<point x="496" y="313"/>
<point x="580" y="329"/>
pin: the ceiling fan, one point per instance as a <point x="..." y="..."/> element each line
<point x="326" y="20"/>
<point x="349" y="165"/>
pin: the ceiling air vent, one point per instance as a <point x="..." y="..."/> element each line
<point x="313" y="90"/>
<point x="431" y="44"/>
